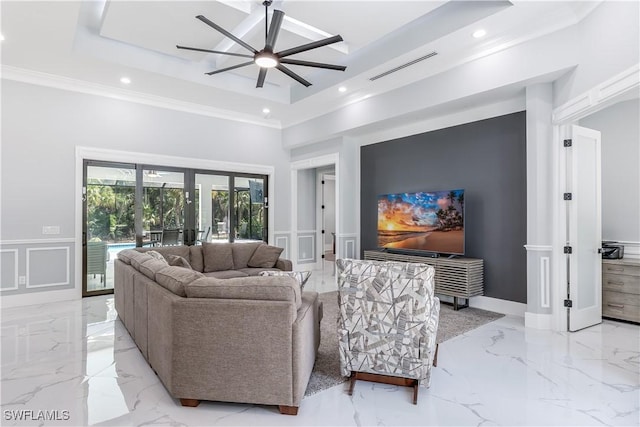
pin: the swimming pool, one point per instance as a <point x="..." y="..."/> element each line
<point x="114" y="248"/>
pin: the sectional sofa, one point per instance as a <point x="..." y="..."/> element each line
<point x="246" y="338"/>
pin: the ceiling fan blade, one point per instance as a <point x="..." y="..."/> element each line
<point x="312" y="64"/>
<point x="261" y="76"/>
<point x="214" y="51"/>
<point x="309" y="46"/>
<point x="293" y="75"/>
<point x="233" y="67"/>
<point x="274" y="29"/>
<point x="226" y="33"/>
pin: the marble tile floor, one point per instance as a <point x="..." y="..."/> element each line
<point x="77" y="357"/>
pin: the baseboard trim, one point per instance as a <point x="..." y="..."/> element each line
<point x="538" y="321"/>
<point x="37" y="298"/>
<point x="498" y="305"/>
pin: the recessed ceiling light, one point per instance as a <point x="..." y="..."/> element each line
<point x="125" y="80"/>
<point x="266" y="110"/>
<point x="342" y="89"/>
<point x="479" y="33"/>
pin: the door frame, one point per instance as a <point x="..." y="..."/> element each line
<point x="147" y="159"/>
<point x="618" y="88"/>
<point x="332" y="159"/>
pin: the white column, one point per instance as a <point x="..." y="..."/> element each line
<point x="540" y="193"/>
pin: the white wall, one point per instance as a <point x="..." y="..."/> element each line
<point x="620" y="131"/>
<point x="609" y="42"/>
<point x="42" y="126"/>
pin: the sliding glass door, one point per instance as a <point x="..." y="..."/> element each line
<point x="227" y="216"/>
<point x="163" y="208"/>
<point x="134" y="205"/>
<point x="249" y="208"/>
<point x="109" y="221"/>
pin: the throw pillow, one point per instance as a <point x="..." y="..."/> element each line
<point x="265" y="256"/>
<point x="300" y="276"/>
<point x="156" y="255"/>
<point x="217" y="257"/>
<point x="178" y="261"/>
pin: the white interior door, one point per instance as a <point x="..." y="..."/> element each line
<point x="584" y="229"/>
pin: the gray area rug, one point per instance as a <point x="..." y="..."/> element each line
<point x="326" y="371"/>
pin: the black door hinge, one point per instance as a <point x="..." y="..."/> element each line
<point x="323" y="181"/>
<point x="568" y="250"/>
<point x="322" y="231"/>
<point x="568" y="303"/>
<point x="322" y="256"/>
<point x="322" y="206"/>
<point x="568" y="196"/>
<point x="567" y="142"/>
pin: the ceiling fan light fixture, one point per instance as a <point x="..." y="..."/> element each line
<point x="266" y="60"/>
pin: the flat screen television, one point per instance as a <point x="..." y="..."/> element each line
<point x="429" y="221"/>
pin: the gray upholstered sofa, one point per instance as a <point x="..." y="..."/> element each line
<point x="249" y="339"/>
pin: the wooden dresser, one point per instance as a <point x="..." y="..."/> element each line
<point x="621" y="289"/>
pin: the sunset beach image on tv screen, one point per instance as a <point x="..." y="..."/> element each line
<point x="425" y="221"/>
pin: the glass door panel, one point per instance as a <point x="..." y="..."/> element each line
<point x="163" y="208"/>
<point x="212" y="207"/>
<point x="249" y="209"/>
<point x="109" y="222"/>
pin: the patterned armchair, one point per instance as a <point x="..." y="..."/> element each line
<point x="387" y="322"/>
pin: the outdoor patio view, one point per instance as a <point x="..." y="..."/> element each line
<point x="110" y="194"/>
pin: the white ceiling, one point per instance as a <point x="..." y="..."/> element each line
<point x="98" y="42"/>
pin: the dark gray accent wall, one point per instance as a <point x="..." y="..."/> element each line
<point x="488" y="160"/>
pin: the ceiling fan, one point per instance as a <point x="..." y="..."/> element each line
<point x="267" y="58"/>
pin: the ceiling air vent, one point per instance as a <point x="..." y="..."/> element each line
<point x="400" y="67"/>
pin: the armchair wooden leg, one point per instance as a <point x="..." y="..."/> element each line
<point x="435" y="357"/>
<point x="192" y="403"/>
<point x="415" y="392"/>
<point x="352" y="383"/>
<point x="288" y="410"/>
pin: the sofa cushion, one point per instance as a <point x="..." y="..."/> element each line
<point x="136" y="261"/>
<point x="174" y="279"/>
<point x="217" y="257"/>
<point x="265" y="256"/>
<point x="126" y="255"/>
<point x="300" y="276"/>
<point x="253" y="271"/>
<point x="196" y="261"/>
<point x="251" y="288"/>
<point x="150" y="267"/>
<point x="242" y="253"/>
<point x="226" y="274"/>
<point x="178" y="261"/>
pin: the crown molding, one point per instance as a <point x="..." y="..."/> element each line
<point x="599" y="97"/>
<point x="24" y="75"/>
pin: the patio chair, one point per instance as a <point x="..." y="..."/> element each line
<point x="97" y="260"/>
<point x="204" y="236"/>
<point x="170" y="237"/>
<point x="387" y="322"/>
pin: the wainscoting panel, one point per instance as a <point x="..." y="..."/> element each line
<point x="346" y="247"/>
<point x="47" y="267"/>
<point x="9" y="269"/>
<point x="281" y="240"/>
<point x="306" y="247"/>
<point x="37" y="265"/>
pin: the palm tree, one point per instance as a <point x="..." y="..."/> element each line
<point x="452" y="197"/>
